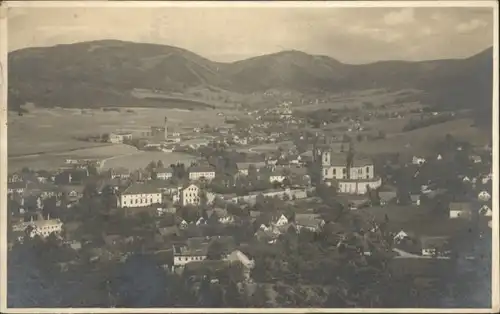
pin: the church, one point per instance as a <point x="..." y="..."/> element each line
<point x="352" y="173"/>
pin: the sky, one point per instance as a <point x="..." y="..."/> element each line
<point x="350" y="35"/>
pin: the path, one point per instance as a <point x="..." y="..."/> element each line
<point x="118" y="156"/>
<point x="403" y="254"/>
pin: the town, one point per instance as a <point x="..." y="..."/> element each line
<point x="242" y="225"/>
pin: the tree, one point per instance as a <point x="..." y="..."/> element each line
<point x="159" y="164"/>
<point x="151" y="166"/>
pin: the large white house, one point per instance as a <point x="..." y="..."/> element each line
<point x="140" y="195"/>
<point x="41" y="227"/>
<point x="353" y="175"/>
<point x="189" y="195"/>
<point x="201" y="172"/>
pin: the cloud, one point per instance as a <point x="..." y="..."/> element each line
<point x="470" y="26"/>
<point x="403" y="16"/>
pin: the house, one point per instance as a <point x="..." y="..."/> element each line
<point x="192" y="252"/>
<point x="15" y="178"/>
<point x="418" y="160"/>
<point x="387" y="197"/>
<point x="243" y="167"/>
<point x="201" y="172"/>
<point x="308" y="221"/>
<point x="486" y="211"/>
<point x="16" y="187"/>
<point x="400" y="236"/>
<point x="279" y="220"/>
<point x="120" y="173"/>
<point x="484" y="196"/>
<point x="119" y="137"/>
<point x="277" y="177"/>
<point x="41" y="227"/>
<point x="247" y="263"/>
<point x="476" y="159"/>
<point x="72" y="193"/>
<point x="164" y="173"/>
<point x="415" y="199"/>
<point x="201" y="221"/>
<point x="72" y="176"/>
<point x="461" y="210"/>
<point x="188" y="195"/>
<point x="221" y="216"/>
<point x="439" y="157"/>
<point x="435" y="246"/>
<point x="139" y="195"/>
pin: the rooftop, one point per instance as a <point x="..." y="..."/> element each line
<point x="246" y="165"/>
<point x="164" y="170"/>
<point x="340" y="159"/>
<point x="201" y="169"/>
<point x="140" y="188"/>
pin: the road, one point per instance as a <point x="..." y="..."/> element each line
<point x="118" y="156"/>
<point x="403" y="254"/>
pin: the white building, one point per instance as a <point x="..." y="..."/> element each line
<point x="418" y="160"/>
<point x="461" y="210"/>
<point x="201" y="172"/>
<point x="120" y="137"/>
<point x="164" y="173"/>
<point x="356" y="178"/>
<point x="276" y="178"/>
<point x="484" y="196"/>
<point x="140" y="195"/>
<point x="40" y="227"/>
<point x="189" y="195"/>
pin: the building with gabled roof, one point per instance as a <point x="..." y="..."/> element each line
<point x="140" y="195"/>
<point x="201" y="172"/>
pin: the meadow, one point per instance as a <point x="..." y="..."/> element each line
<point x="49" y="135"/>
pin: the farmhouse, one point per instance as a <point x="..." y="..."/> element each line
<point x="432" y="246"/>
<point x="189" y="253"/>
<point x="461" y="210"/>
<point x="201" y="172"/>
<point x="243" y="167"/>
<point x="119" y="137"/>
<point x="164" y="173"/>
<point x="140" y="195"/>
<point x="484" y="196"/>
<point x="121" y="173"/>
<point x="308" y="221"/>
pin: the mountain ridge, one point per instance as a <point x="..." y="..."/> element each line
<point x="103" y="72"/>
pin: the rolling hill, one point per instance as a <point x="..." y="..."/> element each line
<point x="102" y="73"/>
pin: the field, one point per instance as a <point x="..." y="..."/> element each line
<point x="141" y="159"/>
<point x="421" y="140"/>
<point x="357" y="99"/>
<point x="48" y="135"/>
<point x="47" y="130"/>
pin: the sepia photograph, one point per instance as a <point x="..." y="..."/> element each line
<point x="249" y="156"/>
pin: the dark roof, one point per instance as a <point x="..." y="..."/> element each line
<point x="201" y="169"/>
<point x="16" y="185"/>
<point x="434" y="242"/>
<point x="246" y="165"/>
<point x="164" y="170"/>
<point x="340" y="159"/>
<point x="141" y="188"/>
<point x="461" y="206"/>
